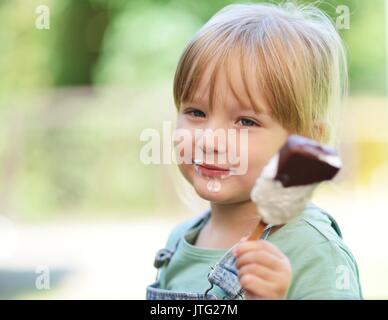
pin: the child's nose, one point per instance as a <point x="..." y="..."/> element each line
<point x="213" y="141"/>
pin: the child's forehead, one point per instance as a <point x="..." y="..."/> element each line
<point x="229" y="89"/>
<point x="226" y="101"/>
<point x="232" y="82"/>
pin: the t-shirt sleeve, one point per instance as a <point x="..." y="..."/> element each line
<point x="325" y="271"/>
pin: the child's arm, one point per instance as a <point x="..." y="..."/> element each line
<point x="322" y="266"/>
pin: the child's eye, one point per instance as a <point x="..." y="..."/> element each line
<point x="248" y="122"/>
<point x="195" y="113"/>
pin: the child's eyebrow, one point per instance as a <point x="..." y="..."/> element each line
<point x="195" y="101"/>
<point x="248" y="108"/>
<point x="259" y="112"/>
<point x="239" y="106"/>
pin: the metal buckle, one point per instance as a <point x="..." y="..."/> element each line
<point x="162" y="256"/>
<point x="211" y="283"/>
<point x="207" y="291"/>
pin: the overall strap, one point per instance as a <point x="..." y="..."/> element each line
<point x="163" y="256"/>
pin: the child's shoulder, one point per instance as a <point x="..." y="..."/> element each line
<point x="313" y="226"/>
<point x="313" y="243"/>
<point x="314" y="235"/>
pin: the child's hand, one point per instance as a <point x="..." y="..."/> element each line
<point x="264" y="271"/>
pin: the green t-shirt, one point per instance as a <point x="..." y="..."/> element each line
<point x="322" y="265"/>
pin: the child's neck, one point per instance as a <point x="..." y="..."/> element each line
<point x="228" y="224"/>
<point x="242" y="216"/>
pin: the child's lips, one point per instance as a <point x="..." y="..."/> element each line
<point x="213" y="167"/>
<point x="211" y="170"/>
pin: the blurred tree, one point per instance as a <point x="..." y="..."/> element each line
<point x="79" y="33"/>
<point x="143" y="43"/>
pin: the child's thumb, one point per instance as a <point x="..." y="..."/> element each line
<point x="245" y="238"/>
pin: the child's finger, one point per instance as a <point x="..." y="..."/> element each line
<point x="256" y="245"/>
<point x="264" y="258"/>
<point x="258" y="270"/>
<point x="257" y="286"/>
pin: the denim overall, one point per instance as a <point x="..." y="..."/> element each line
<point x="223" y="273"/>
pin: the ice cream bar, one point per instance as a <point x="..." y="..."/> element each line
<point x="304" y="161"/>
<point x="287" y="182"/>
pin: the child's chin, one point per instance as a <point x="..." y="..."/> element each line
<point x="222" y="196"/>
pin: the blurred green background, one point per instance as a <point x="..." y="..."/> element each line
<point x="63" y="153"/>
<point x="75" y="97"/>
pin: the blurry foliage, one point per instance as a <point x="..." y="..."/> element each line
<point x="77" y="161"/>
<point x="24" y="51"/>
<point x="139" y="42"/>
<point x="143" y="43"/>
<point x="145" y="40"/>
<point x="82" y="170"/>
<point x="79" y="30"/>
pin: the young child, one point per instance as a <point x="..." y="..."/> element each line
<point x="273" y="70"/>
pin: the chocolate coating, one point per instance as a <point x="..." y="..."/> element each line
<point x="303" y="161"/>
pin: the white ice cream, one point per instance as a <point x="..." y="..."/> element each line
<point x="275" y="203"/>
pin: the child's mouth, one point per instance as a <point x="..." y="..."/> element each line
<point x="211" y="170"/>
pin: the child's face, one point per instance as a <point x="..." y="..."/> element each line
<point x="265" y="137"/>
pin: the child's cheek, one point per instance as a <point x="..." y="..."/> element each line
<point x="187" y="172"/>
<point x="184" y="143"/>
<point x="257" y="159"/>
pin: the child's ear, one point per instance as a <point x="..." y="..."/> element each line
<point x="320" y="131"/>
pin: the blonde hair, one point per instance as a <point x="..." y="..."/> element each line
<point x="297" y="58"/>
